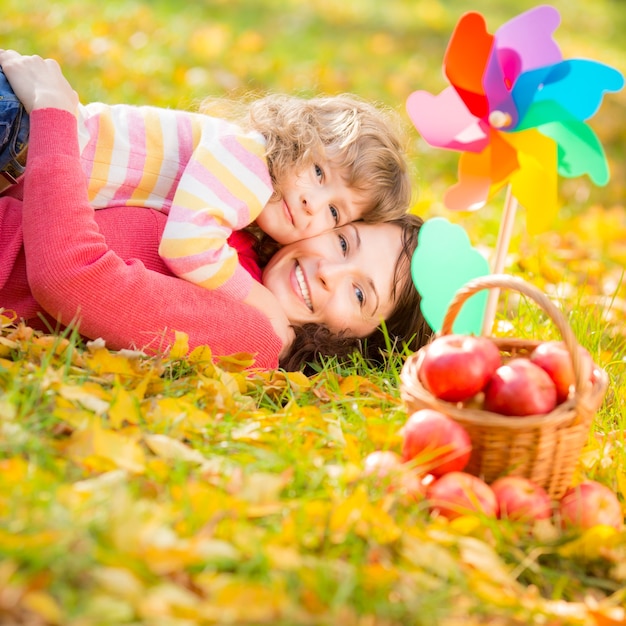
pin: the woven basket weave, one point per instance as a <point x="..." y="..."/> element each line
<point x="544" y="448"/>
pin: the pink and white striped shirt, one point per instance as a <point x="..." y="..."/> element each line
<point x="208" y="175"/>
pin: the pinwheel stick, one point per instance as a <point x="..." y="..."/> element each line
<point x="502" y="248"/>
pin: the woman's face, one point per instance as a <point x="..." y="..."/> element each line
<point x="342" y="278"/>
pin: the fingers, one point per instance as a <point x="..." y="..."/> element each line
<point x="37" y="82"/>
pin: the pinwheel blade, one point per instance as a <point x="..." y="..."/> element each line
<point x="465" y="59"/>
<point x="445" y="122"/>
<point x="482" y="175"/>
<point x="521" y="44"/>
<point x="576" y="85"/>
<point x="579" y="150"/>
<point x="534" y="183"/>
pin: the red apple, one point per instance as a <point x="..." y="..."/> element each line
<point x="589" y="504"/>
<point x="521" y="499"/>
<point x="459" y="493"/>
<point x="381" y="463"/>
<point x="520" y="388"/>
<point x="457" y="367"/>
<point x="436" y="442"/>
<point x="554" y="358"/>
<point x="399" y="479"/>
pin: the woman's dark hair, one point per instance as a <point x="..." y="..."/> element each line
<point x="404" y="328"/>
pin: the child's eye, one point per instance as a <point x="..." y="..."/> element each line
<point x="360" y="296"/>
<point x="318" y="171"/>
<point x="335" y="214"/>
<point x="343" y="242"/>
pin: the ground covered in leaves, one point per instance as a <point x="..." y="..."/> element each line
<point x="182" y="491"/>
<point x="176" y="491"/>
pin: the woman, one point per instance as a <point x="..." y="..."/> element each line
<point x="83" y="264"/>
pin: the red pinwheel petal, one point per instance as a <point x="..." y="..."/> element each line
<point x="465" y="61"/>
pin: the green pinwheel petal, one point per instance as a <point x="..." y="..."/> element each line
<point x="579" y="149"/>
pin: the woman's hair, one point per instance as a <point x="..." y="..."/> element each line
<point x="404" y="328"/>
<point x="363" y="139"/>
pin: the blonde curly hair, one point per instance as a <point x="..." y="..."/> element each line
<point x="360" y="138"/>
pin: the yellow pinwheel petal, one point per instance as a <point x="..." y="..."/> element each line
<point x="534" y="183"/>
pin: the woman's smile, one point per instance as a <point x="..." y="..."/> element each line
<point x="338" y="278"/>
<point x="302" y="284"/>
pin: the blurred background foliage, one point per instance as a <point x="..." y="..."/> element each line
<point x="168" y="53"/>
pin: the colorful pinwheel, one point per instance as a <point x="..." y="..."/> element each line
<point x="517" y="112"/>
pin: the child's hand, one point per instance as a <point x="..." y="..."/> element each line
<point x="262" y="298"/>
<point x="38" y="83"/>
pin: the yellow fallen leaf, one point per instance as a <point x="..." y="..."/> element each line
<point x="102" y="361"/>
<point x="172" y="449"/>
<point x="236" y="362"/>
<point x="89" y="397"/>
<point x="181" y="346"/>
<point x="7" y="317"/>
<point x="124" y="408"/>
<point x="592" y="543"/>
<point x="246" y="602"/>
<point x="44" y="605"/>
<point x="95" y="442"/>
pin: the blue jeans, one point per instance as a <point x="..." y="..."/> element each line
<point x="14" y="127"/>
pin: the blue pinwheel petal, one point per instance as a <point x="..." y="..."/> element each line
<point x="576" y="85"/>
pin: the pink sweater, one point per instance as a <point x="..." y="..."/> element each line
<point x="103" y="266"/>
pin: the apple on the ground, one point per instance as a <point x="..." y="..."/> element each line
<point x="460" y="493"/>
<point x="381" y="463"/>
<point x="589" y="504"/>
<point x="521" y="499"/>
<point x="388" y="467"/>
<point x="435" y="442"/>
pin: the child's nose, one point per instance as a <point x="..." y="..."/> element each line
<point x="312" y="204"/>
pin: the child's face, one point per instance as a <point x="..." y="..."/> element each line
<point x="314" y="199"/>
<point x="342" y="278"/>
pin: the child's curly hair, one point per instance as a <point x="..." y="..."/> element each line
<point x="360" y="138"/>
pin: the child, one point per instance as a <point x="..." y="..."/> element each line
<point x="294" y="168"/>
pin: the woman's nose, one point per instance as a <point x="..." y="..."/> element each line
<point x="330" y="272"/>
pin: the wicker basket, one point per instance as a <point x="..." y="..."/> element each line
<point x="543" y="448"/>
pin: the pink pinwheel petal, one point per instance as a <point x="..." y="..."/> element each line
<point x="444" y="121"/>
<point x="482" y="175"/>
<point x="521" y="44"/>
<point x="534" y="184"/>
<point x="465" y="61"/>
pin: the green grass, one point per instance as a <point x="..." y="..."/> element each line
<point x="168" y="492"/>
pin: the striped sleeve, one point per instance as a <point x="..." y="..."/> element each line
<point x="223" y="188"/>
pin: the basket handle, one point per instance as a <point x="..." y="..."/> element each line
<point x="505" y="281"/>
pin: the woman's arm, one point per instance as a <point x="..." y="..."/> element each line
<point x="73" y="273"/>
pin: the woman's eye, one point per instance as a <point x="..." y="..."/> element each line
<point x="343" y="243"/>
<point x="318" y="171"/>
<point x="335" y="214"/>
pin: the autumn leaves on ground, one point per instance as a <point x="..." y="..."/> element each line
<point x="179" y="491"/>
